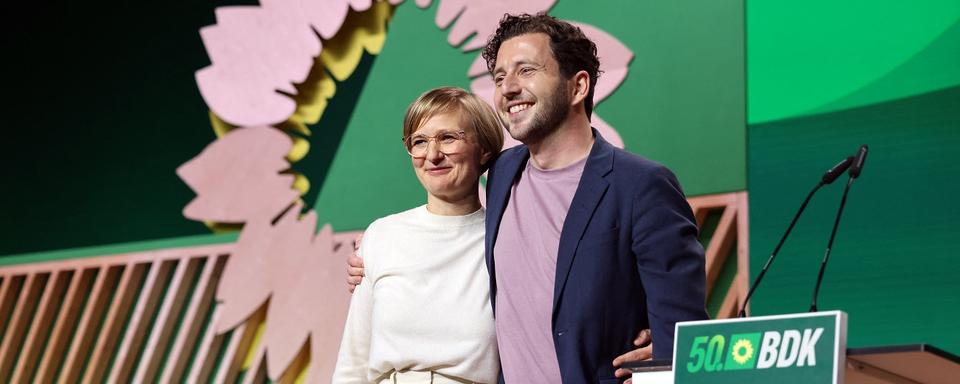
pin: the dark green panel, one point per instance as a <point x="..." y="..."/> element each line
<point x="100" y="107"/>
<point x="894" y="266"/>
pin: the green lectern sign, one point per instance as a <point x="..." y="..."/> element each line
<point x="786" y="349"/>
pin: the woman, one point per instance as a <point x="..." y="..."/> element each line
<point x="422" y="313"/>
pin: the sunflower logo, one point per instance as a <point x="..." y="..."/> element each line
<point x="742" y="351"/>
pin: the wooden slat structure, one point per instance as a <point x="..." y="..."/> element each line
<point x="141" y="317"/>
<point x="731" y="228"/>
<point x="147" y="316"/>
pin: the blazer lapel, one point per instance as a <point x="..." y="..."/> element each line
<point x="585" y="200"/>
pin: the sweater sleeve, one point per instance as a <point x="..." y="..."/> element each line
<point x="354" y="358"/>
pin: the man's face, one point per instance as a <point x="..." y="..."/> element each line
<point x="531" y="95"/>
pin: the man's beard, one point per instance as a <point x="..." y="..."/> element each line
<point x="550" y="114"/>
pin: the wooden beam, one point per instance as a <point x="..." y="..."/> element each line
<point x="124" y="296"/>
<point x="193" y="320"/>
<point x="40" y="328"/>
<point x="20" y="322"/>
<point x="66" y="324"/>
<point x="140" y="321"/>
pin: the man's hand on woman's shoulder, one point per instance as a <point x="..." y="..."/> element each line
<point x="355" y="266"/>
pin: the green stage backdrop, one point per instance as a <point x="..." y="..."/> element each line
<point x="101" y="107"/>
<point x="110" y="108"/>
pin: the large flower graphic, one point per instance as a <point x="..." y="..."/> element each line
<point x="278" y="262"/>
<point x="270" y="76"/>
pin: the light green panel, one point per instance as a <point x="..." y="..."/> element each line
<point x="932" y="69"/>
<point x="805" y="55"/>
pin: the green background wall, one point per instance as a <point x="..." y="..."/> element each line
<point x="824" y="78"/>
<point x="651" y="109"/>
<point x="110" y="108"/>
<point x="100" y="106"/>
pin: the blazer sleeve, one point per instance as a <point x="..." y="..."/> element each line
<point x="670" y="259"/>
<point x="353" y="359"/>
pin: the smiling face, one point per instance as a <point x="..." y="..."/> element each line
<point x="531" y="95"/>
<point x="454" y="176"/>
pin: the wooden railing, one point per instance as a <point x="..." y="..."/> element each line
<point x="147" y="316"/>
<point x="138" y="317"/>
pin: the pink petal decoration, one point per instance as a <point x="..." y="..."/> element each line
<point x="247" y="282"/>
<point x="293" y="269"/>
<point x="327" y="330"/>
<point x="301" y="275"/>
<point x="479" y="18"/>
<point x="258" y="50"/>
<point x="615" y="60"/>
<point x="237" y="177"/>
<point x="308" y="294"/>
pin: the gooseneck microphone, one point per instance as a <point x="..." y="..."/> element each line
<point x="855" y="170"/>
<point x="828" y="177"/>
<point x="857" y="166"/>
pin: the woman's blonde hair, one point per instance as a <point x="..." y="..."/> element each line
<point x="476" y="116"/>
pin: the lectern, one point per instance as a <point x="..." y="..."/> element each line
<point x="900" y="364"/>
<point x="791" y="349"/>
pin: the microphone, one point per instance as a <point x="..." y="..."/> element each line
<point x="855" y="170"/>
<point x="828" y="177"/>
<point x="837" y="170"/>
<point x="858" y="162"/>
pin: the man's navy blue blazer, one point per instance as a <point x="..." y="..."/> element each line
<point x="629" y="259"/>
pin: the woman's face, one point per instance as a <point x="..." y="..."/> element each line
<point x="454" y="175"/>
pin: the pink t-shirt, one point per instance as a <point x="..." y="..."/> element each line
<point x="526" y="258"/>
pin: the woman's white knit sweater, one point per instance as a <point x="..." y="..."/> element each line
<point x="424" y="303"/>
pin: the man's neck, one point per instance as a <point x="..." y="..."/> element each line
<point x="570" y="143"/>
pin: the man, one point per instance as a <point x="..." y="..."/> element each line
<point x="586" y="244"/>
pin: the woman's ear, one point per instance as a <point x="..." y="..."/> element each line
<point x="485" y="158"/>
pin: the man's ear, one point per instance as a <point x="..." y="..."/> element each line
<point x="581" y="87"/>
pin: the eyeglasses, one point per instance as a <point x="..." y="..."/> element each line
<point x="448" y="143"/>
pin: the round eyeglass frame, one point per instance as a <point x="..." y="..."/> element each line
<point x="461" y="136"/>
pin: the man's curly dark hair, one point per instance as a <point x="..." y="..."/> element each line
<point x="571" y="48"/>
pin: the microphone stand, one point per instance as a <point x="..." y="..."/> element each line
<point x="855" y="170"/>
<point x="826" y="255"/>
<point x="753" y="288"/>
<point x="827" y="178"/>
